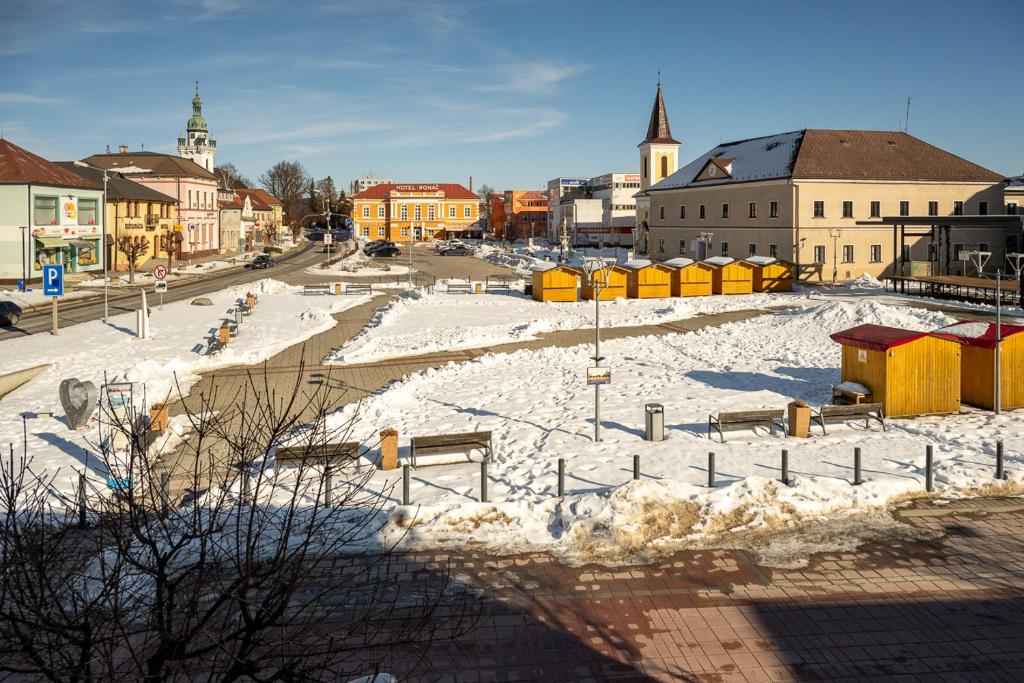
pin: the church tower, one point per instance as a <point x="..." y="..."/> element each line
<point x="197" y="144"/>
<point x="659" y="153"/>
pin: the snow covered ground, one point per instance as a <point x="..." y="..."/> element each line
<point x="35" y="297"/>
<point x="176" y="352"/>
<point x="420" y="323"/>
<point x="539" y="409"/>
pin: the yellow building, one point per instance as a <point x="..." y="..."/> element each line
<point x="419" y="211"/>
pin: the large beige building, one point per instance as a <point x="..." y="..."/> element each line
<point x="811" y="197"/>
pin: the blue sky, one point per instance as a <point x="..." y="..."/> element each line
<point x="510" y="92"/>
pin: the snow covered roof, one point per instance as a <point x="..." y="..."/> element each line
<point x="637" y="264"/>
<point x="973" y="333"/>
<point x="544" y="266"/>
<point x="761" y="260"/>
<point x="719" y="260"/>
<point x="679" y="262"/>
<point x="755" y="159"/>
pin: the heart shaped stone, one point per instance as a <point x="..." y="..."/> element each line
<point x="78" y="400"/>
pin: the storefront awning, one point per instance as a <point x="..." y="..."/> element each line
<point x="52" y="242"/>
<point x="83" y="244"/>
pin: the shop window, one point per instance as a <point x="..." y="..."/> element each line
<point x="86" y="254"/>
<point x="87" y="212"/>
<point x="45" y="211"/>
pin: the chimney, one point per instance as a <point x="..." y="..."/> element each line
<point x="470" y="183"/>
<point x="122" y="149"/>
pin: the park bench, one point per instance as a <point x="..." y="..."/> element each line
<point x="347" y="452"/>
<point x="245" y="308"/>
<point x="450" y="443"/>
<point x="460" y="287"/>
<point x="851" y="411"/>
<point x="498" y="284"/>
<point x="357" y="288"/>
<point x="325" y="288"/>
<point x="746" y="419"/>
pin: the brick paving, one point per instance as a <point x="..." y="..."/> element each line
<point x="946" y="610"/>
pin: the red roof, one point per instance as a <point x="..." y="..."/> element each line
<point x="965" y="332"/>
<point x="450" y="190"/>
<point x="264" y="196"/>
<point x="258" y="204"/>
<point x="876" y="337"/>
<point x="19" y="165"/>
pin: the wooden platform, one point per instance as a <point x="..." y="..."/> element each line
<point x="956" y="287"/>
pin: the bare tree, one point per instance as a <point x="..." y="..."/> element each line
<point x="134" y="247"/>
<point x="230" y="177"/>
<point x="485" y="193"/>
<point x="239" y="564"/>
<point x="288" y="181"/>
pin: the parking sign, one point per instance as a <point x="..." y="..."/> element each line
<point x="53" y="280"/>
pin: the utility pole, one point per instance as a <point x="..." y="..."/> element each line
<point x="835" y="234"/>
<point x="594" y="269"/>
<point x="998" y="404"/>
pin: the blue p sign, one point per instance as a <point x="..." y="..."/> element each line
<point x="53" y="280"/>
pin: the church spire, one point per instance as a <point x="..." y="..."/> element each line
<point x="658" y="130"/>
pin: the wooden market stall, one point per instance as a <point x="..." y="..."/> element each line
<point x="613" y="279"/>
<point x="648" y="280"/>
<point x="978" y="363"/>
<point x="689" y="277"/>
<point x="555" y="282"/>
<point x="908" y="372"/>
<point x="730" y="276"/>
<point x="771" y="274"/>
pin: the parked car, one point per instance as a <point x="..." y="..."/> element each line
<point x="263" y="261"/>
<point x="387" y="251"/>
<point x="460" y="250"/>
<point x="10" y="313"/>
<point x="329" y="248"/>
<point x="448" y="244"/>
<point x="373" y="247"/>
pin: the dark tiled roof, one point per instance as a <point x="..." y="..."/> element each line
<point x="18" y="165"/>
<point x="155" y="163"/>
<point x="658" y="130"/>
<point x="118" y="187"/>
<point x="450" y="190"/>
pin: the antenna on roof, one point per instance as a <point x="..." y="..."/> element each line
<point x="142" y="146"/>
<point x="906" y="125"/>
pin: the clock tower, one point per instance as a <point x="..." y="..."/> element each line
<point x="659" y="158"/>
<point x="197" y="144"/>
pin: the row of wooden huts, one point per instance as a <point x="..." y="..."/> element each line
<point x="642" y="279"/>
<point x="927" y="373"/>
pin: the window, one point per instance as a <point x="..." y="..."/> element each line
<point x="366" y="232"/>
<point x="819" y="209"/>
<point x="752" y="210"/>
<point x="982" y="208"/>
<point x="417" y="212"/>
<point x="958" y="208"/>
<point x="661" y="212"/>
<point x="904" y="208"/>
<point x="87" y="212"/>
<point x="380" y="211"/>
<point x="1011" y="208"/>
<point x="451" y="212"/>
<point x="725" y="248"/>
<point x="431" y="212"/>
<point x="45" y="211"/>
<point x="876" y="209"/>
<point x="661" y="246"/>
<point x="773" y="209"/>
<point x="366" y="212"/>
<point x="664" y="166"/>
<point x="819" y="253"/>
<point x="467" y="212"/>
<point x="701" y="213"/>
<point x="380" y="232"/>
<point x="751" y="249"/>
<point x="682" y="247"/>
<point x="645" y="167"/>
<point x="405" y="232"/>
<point x="405" y="212"/>
<point x="682" y="211"/>
<point x="958" y="250"/>
<point x="905" y="253"/>
<point x="190" y="199"/>
<point x="876" y="253"/>
<point x="847" y="253"/>
<point x="847" y="209"/>
<point x="773" y="250"/>
<point x="933" y="208"/>
<point x="725" y="210"/>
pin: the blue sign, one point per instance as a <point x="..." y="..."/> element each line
<point x="53" y="280"/>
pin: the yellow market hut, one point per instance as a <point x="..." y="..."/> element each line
<point x="908" y="372"/>
<point x="771" y="274"/>
<point x="978" y="363"/>
<point x="730" y="276"/>
<point x="555" y="282"/>
<point x="689" y="277"/>
<point x="648" y="280"/>
<point x="613" y="281"/>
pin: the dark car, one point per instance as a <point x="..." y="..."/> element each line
<point x="10" y="313"/>
<point x="329" y="248"/>
<point x="373" y="247"/>
<point x="263" y="261"/>
<point x="455" y="251"/>
<point x="387" y="251"/>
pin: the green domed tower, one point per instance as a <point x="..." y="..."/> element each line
<point x="197" y="144"/>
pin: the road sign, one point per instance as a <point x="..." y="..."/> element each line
<point x="160" y="272"/>
<point x="53" y="280"/>
<point x="328" y="238"/>
<point x="161" y="286"/>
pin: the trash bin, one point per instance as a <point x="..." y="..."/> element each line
<point x="654" y="422"/>
<point x="799" y="422"/>
<point x="528" y="289"/>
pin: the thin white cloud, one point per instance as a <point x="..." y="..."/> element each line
<point x="532" y="76"/>
<point x="26" y="98"/>
<point x="109" y="27"/>
<point x="306" y="132"/>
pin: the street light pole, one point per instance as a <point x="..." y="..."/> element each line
<point x="998" y="405"/>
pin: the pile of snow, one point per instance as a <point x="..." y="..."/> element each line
<point x="357" y="264"/>
<point x="866" y="281"/>
<point x="967" y="330"/>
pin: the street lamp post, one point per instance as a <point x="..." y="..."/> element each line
<point x="835" y="234"/>
<point x="594" y="269"/>
<point x="24" y="257"/>
<point x="103" y="251"/>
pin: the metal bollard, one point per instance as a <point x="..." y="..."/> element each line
<point x="636" y="467"/>
<point x="405" y="484"/>
<point x="483" y="481"/>
<point x="711" y="470"/>
<point x="857" y="481"/>
<point x="165" y="494"/>
<point x="328" y="485"/>
<point x="238" y="316"/>
<point x="1000" y="474"/>
<point x="928" y="461"/>
<point x="785" y="467"/>
<point x="82" y="521"/>
<point x="246" y="485"/>
<point x="561" y="477"/>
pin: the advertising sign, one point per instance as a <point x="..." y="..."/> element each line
<point x="599" y="375"/>
<point x="573" y="181"/>
<point x="69" y="211"/>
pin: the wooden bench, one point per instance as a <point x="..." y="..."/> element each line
<point x="325" y="288"/>
<point x="358" y="288"/>
<point x="498" y="284"/>
<point x="841" y="396"/>
<point x="450" y="443"/>
<point x="327" y="454"/>
<point x="459" y="287"/>
<point x="743" y="419"/>
<point x="852" y="411"/>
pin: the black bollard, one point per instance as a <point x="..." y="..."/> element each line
<point x="928" y="461"/>
<point x="405" y="484"/>
<point x="785" y="467"/>
<point x="483" y="481"/>
<point x="636" y="467"/>
<point x="1000" y="474"/>
<point x="561" y="477"/>
<point x="711" y="470"/>
<point x="857" y="481"/>
<point x="82" y="521"/>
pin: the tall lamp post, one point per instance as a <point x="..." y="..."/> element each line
<point x="103" y="252"/>
<point x="594" y="269"/>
